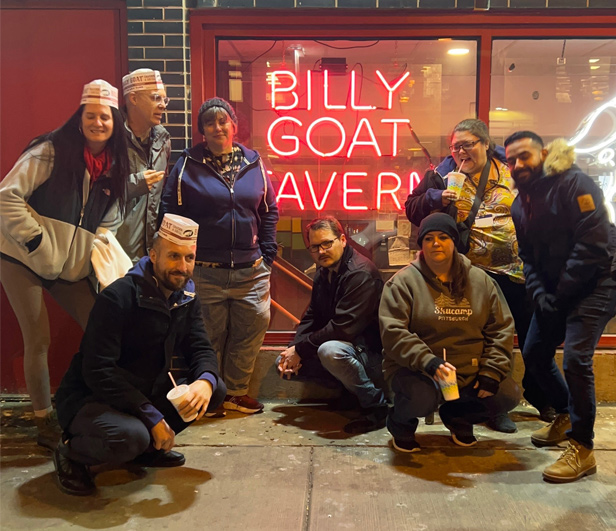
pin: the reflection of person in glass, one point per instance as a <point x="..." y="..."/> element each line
<point x="66" y="185"/>
<point x="441" y="302"/>
<point x="224" y="187"/>
<point x="493" y="244"/>
<point x="338" y="338"/>
<point x="567" y="244"/>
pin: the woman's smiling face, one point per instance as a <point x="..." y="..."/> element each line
<point x="469" y="152"/>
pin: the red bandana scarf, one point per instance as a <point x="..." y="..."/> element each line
<point x="97" y="165"/>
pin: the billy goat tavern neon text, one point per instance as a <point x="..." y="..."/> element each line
<point x="285" y="97"/>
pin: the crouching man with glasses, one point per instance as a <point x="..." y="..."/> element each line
<point x="337" y="342"/>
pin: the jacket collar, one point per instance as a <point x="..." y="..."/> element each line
<point x="196" y="153"/>
<point x="560" y="158"/>
<point x="143" y="273"/>
<point x="158" y="134"/>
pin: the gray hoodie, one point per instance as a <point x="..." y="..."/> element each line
<point x="419" y="317"/>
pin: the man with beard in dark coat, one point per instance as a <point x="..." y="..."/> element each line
<point x="112" y="402"/>
<point x="566" y="242"/>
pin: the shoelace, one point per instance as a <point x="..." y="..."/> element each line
<point x="571" y="456"/>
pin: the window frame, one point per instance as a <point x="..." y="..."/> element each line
<point x="209" y="25"/>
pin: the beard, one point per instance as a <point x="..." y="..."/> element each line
<point x="525" y="176"/>
<point x="172" y="280"/>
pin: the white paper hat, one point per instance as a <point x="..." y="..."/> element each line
<point x="179" y="230"/>
<point x="142" y="79"/>
<point x="100" y="92"/>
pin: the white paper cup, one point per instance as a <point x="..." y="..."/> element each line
<point x="176" y="397"/>
<point x="455" y="181"/>
<point x="449" y="387"/>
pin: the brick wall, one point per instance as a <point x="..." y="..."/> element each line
<point x="158" y="37"/>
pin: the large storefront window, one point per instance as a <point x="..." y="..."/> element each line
<point x="346" y="128"/>
<point x="560" y="88"/>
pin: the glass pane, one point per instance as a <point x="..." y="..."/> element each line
<point x="338" y="124"/>
<point x="560" y="88"/>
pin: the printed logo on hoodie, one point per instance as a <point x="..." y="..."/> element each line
<point x="447" y="309"/>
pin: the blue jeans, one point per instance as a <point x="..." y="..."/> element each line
<point x="359" y="371"/>
<point x="580" y="328"/>
<point x="418" y="395"/>
<point x="236" y="313"/>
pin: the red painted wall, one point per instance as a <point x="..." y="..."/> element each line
<point x="46" y="56"/>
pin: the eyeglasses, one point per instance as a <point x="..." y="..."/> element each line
<point x="466" y="146"/>
<point x="158" y="99"/>
<point x="324" y="246"/>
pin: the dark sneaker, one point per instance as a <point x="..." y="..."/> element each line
<point x="407" y="446"/>
<point x="73" y="478"/>
<point x="160" y="459"/>
<point x="547" y="414"/>
<point x="575" y="462"/>
<point x="243" y="404"/>
<point x="218" y="413"/>
<point x="502" y="423"/>
<point x="49" y="431"/>
<point x="373" y="419"/>
<point x="465" y="440"/>
<point x="553" y="433"/>
<point x="345" y="402"/>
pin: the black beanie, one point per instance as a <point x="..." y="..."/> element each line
<point x="215" y="102"/>
<point x="438" y="222"/>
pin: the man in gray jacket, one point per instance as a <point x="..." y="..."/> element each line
<point x="148" y="150"/>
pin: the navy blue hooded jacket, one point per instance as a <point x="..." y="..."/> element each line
<point x="236" y="225"/>
<point x="427" y="195"/>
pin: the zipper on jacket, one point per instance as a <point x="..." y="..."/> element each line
<point x="231" y="191"/>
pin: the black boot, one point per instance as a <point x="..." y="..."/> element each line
<point x="372" y="419"/>
<point x="502" y="423"/>
<point x="160" y="459"/>
<point x="72" y="477"/>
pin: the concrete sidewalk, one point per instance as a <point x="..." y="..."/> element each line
<point x="293" y="468"/>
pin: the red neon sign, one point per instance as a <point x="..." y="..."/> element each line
<point x="326" y="137"/>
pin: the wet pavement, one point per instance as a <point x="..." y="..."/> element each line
<point x="293" y="468"/>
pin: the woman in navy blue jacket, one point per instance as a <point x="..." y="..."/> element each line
<point x="224" y="187"/>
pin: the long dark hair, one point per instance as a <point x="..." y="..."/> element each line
<point x="68" y="143"/>
<point x="458" y="273"/>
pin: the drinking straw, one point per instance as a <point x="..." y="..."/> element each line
<point x="171" y="376"/>
<point x="444" y="359"/>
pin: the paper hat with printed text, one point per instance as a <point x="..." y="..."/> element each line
<point x="179" y="230"/>
<point x="100" y="92"/>
<point x="142" y="79"/>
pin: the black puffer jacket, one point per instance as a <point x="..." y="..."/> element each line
<point x="564" y="234"/>
<point x="126" y="350"/>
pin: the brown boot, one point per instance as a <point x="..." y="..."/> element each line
<point x="553" y="433"/>
<point x="575" y="462"/>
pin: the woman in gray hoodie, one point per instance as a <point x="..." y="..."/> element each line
<point x="442" y="302"/>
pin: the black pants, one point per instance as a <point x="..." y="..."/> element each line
<point x="101" y="434"/>
<point x="417" y="395"/>
<point x="522" y="310"/>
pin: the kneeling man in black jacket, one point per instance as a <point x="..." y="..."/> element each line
<point x="112" y="401"/>
<point x="338" y="338"/>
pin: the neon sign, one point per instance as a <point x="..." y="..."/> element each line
<point x="326" y="137"/>
<point x="602" y="151"/>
